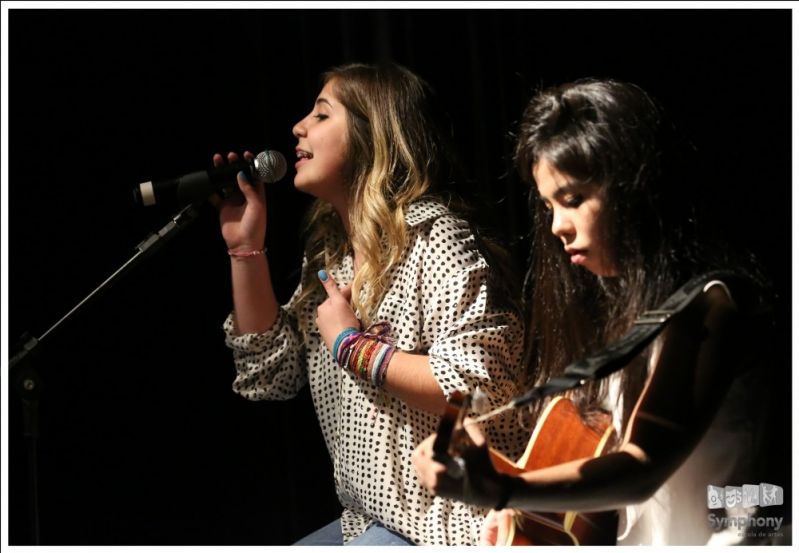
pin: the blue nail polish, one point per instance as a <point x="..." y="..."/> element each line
<point x="323" y="275"/>
<point x="243" y="176"/>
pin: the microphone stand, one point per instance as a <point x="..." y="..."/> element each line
<point x="26" y="379"/>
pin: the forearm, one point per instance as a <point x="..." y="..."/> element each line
<point x="603" y="483"/>
<point x="410" y="378"/>
<point x="254" y="302"/>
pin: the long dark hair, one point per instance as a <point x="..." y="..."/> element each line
<point x="612" y="134"/>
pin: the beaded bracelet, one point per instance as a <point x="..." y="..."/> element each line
<point x="253" y="253"/>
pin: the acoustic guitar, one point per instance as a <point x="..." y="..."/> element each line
<point x="560" y="435"/>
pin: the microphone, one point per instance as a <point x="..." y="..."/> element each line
<point x="267" y="167"/>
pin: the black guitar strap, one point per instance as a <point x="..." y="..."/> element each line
<point x="619" y="354"/>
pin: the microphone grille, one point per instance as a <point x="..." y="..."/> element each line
<point x="270" y="166"/>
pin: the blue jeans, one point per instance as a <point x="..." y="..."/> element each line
<point x="376" y="534"/>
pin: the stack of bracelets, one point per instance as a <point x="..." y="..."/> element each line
<point x="367" y="353"/>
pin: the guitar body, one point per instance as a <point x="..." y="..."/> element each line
<point x="560" y="436"/>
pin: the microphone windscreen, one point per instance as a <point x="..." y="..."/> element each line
<point x="270" y="166"/>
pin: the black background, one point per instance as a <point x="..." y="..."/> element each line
<point x="142" y="439"/>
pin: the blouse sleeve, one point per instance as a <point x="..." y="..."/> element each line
<point x="272" y="364"/>
<point x="476" y="343"/>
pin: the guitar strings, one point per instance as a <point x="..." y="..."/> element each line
<point x="492" y="414"/>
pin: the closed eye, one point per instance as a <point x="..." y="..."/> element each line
<point x="573" y="200"/>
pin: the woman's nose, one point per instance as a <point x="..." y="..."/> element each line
<point x="561" y="224"/>
<point x="299" y="128"/>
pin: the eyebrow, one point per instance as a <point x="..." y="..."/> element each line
<point x="568" y="187"/>
<point x="323" y="101"/>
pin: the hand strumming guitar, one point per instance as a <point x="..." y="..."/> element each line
<point x="479" y="483"/>
<point x="457" y="463"/>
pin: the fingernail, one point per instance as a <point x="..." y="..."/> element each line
<point x="323" y="275"/>
<point x="243" y="176"/>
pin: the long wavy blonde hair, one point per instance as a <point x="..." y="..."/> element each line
<point x="396" y="155"/>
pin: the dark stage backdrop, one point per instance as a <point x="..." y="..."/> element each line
<point x="142" y="439"/>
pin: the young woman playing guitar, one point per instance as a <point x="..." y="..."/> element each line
<point x="613" y="239"/>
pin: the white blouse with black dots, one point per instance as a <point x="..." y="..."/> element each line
<point x="438" y="305"/>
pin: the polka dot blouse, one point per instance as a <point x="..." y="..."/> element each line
<point x="437" y="304"/>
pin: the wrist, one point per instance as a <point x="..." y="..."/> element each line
<point x="507" y="485"/>
<point x="365" y="354"/>
<point x="334" y="349"/>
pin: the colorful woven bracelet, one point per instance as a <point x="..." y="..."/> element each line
<point x="385" y="351"/>
<point x="383" y="369"/>
<point x="366" y="354"/>
<point x="349" y="350"/>
<point x="339" y="339"/>
<point x="373" y="352"/>
<point x="365" y="345"/>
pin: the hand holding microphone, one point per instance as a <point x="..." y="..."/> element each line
<point x="243" y="220"/>
<point x="268" y="166"/>
<point x="244" y="223"/>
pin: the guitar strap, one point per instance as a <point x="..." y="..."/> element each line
<point x="619" y="354"/>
